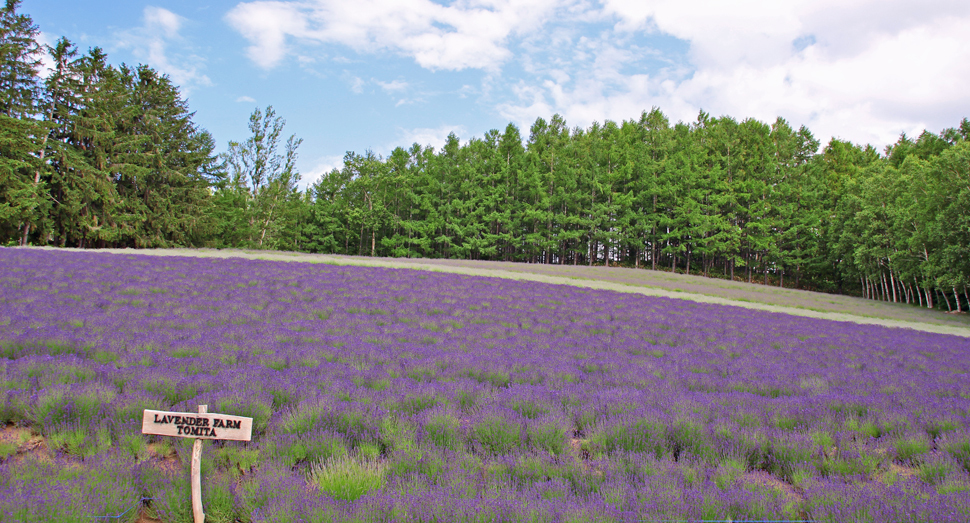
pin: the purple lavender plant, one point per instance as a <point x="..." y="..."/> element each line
<point x="475" y="398"/>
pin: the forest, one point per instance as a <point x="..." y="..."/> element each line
<point x="95" y="155"/>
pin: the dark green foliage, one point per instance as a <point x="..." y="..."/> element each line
<point x="707" y="197"/>
<point x="96" y="155"/>
<point x="20" y="194"/>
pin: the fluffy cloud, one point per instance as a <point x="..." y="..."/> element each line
<point x="46" y="62"/>
<point x="322" y="166"/>
<point x="863" y="70"/>
<point x="438" y="37"/>
<point x="392" y="86"/>
<point x="152" y="43"/>
<point x="434" y="137"/>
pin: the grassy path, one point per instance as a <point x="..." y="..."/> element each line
<point x="646" y="282"/>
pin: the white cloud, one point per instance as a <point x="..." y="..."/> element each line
<point x="392" y="86"/>
<point x="266" y="25"/>
<point x="152" y="43"/>
<point x="356" y="83"/>
<point x="863" y="70"/>
<point x="247" y="99"/>
<point x="425" y="136"/>
<point x="469" y="34"/>
<point x="162" y="20"/>
<point x="46" y="62"/>
<point x="321" y="166"/>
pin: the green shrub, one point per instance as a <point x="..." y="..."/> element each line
<point x="313" y="450"/>
<point x="466" y="400"/>
<point x="237" y="458"/>
<point x="442" y="430"/>
<point x="218" y="500"/>
<point x="7" y="449"/>
<point x="642" y="437"/>
<point x="348" y="477"/>
<point x="934" y="472"/>
<point x="397" y="433"/>
<point x="497" y="435"/>
<point x="55" y="407"/>
<point x="529" y="409"/>
<point x="960" y="451"/>
<point x="412" y="404"/>
<point x="254" y="408"/>
<point x="495" y="378"/>
<point x="172" y="392"/>
<point x="549" y="437"/>
<point x="135" y="445"/>
<point x="424" y="460"/>
<point x="729" y="471"/>
<point x="910" y="450"/>
<point x="938" y="427"/>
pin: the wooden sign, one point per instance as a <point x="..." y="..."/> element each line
<point x="200" y="426"/>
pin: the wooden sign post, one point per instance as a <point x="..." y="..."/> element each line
<point x="199" y="426"/>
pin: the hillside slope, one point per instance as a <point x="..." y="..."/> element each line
<point x="647" y="282"/>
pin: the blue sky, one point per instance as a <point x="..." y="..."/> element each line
<point x="375" y="74"/>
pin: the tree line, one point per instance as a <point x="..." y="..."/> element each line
<point x="93" y="155"/>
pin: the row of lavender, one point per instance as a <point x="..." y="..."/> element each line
<point x="385" y="394"/>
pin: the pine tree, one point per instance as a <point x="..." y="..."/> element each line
<point x="21" y="194"/>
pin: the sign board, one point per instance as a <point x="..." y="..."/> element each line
<point x="200" y="426"/>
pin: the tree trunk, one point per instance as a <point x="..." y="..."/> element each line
<point x="893" y="281"/>
<point x="956" y="297"/>
<point x="747" y="264"/>
<point x="946" y="299"/>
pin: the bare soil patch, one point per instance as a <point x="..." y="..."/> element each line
<point x="766" y="480"/>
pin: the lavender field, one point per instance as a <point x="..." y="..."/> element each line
<point x="398" y="395"/>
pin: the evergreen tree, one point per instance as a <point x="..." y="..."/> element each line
<point x="21" y="194"/>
